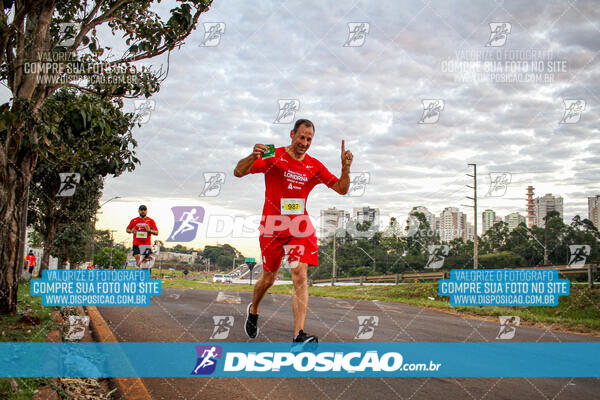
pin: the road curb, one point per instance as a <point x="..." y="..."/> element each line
<point x="132" y="388"/>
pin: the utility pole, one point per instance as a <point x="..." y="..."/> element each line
<point x="94" y="229"/>
<point x="334" y="266"/>
<point x="373" y="253"/>
<point x="112" y="242"/>
<point x="334" y="272"/>
<point x="474" y="198"/>
<point x="546" y="239"/>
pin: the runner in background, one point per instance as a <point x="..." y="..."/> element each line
<point x="142" y="228"/>
<point x="31" y="258"/>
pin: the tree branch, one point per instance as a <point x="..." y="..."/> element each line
<point x="21" y="9"/>
<point x="83" y="89"/>
<point x="94" y="11"/>
<point x="166" y="46"/>
<point x="89" y="25"/>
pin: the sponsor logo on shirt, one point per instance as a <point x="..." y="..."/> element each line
<point x="295" y="176"/>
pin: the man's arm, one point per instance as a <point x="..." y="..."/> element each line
<point x="343" y="184"/>
<point x="244" y="166"/>
<point x="154" y="228"/>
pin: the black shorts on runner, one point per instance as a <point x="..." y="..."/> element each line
<point x="144" y="250"/>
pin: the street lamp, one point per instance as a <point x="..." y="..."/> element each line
<point x="540" y="243"/>
<point x="334" y="267"/>
<point x="363" y="250"/>
<point x="94" y="227"/>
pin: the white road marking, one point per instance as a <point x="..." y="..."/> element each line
<point x="233" y="298"/>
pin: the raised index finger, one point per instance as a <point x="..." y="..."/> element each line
<point x="343" y="147"/>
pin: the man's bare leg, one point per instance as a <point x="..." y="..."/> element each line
<point x="300" y="298"/>
<point x="260" y="289"/>
<point x="138" y="261"/>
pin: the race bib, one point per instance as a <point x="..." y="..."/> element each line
<point x="141" y="235"/>
<point x="292" y="206"/>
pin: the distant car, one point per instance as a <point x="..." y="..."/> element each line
<point x="171" y="269"/>
<point x="222" y="278"/>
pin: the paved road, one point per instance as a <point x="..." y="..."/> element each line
<point x="181" y="315"/>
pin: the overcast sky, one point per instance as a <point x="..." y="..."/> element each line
<point x="218" y="101"/>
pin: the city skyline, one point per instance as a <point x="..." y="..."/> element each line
<point x="246" y="242"/>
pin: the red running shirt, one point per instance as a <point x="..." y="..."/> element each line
<point x="31" y="259"/>
<point x="288" y="178"/>
<point x="141" y="236"/>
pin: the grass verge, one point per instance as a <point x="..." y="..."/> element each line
<point x="579" y="312"/>
<point x="31" y="323"/>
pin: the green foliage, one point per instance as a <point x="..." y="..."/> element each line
<point x="178" y="249"/>
<point x="93" y="139"/>
<point x="222" y="256"/>
<point x="495" y="238"/>
<point x="102" y="258"/>
<point x="498" y="248"/>
<point x="73" y="242"/>
<point x="502" y="259"/>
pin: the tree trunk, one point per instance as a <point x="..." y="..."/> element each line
<point x="49" y="234"/>
<point x="15" y="175"/>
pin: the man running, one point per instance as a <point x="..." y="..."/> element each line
<point x="143" y="228"/>
<point x="31" y="259"/>
<point x="290" y="175"/>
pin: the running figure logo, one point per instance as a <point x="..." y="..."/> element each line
<point x="212" y="183"/>
<point x="437" y="255"/>
<point x="393" y="228"/>
<point x="432" y="108"/>
<point x="143" y="110"/>
<point x="222" y="326"/>
<point x="499" y="182"/>
<point x="573" y="111"/>
<point x="212" y="34"/>
<point x="68" y="182"/>
<point x="207" y="359"/>
<point x="293" y="253"/>
<point x="67" y="33"/>
<point x="507" y="327"/>
<point x="412" y="226"/>
<point x="360" y="230"/>
<point x="187" y="221"/>
<point x="287" y="111"/>
<point x="358" y="183"/>
<point x="499" y="33"/>
<point x="366" y="326"/>
<point x="578" y="253"/>
<point x="357" y="35"/>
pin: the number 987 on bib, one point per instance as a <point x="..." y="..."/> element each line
<point x="292" y="206"/>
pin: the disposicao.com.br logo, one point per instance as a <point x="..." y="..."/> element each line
<point x="322" y="363"/>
